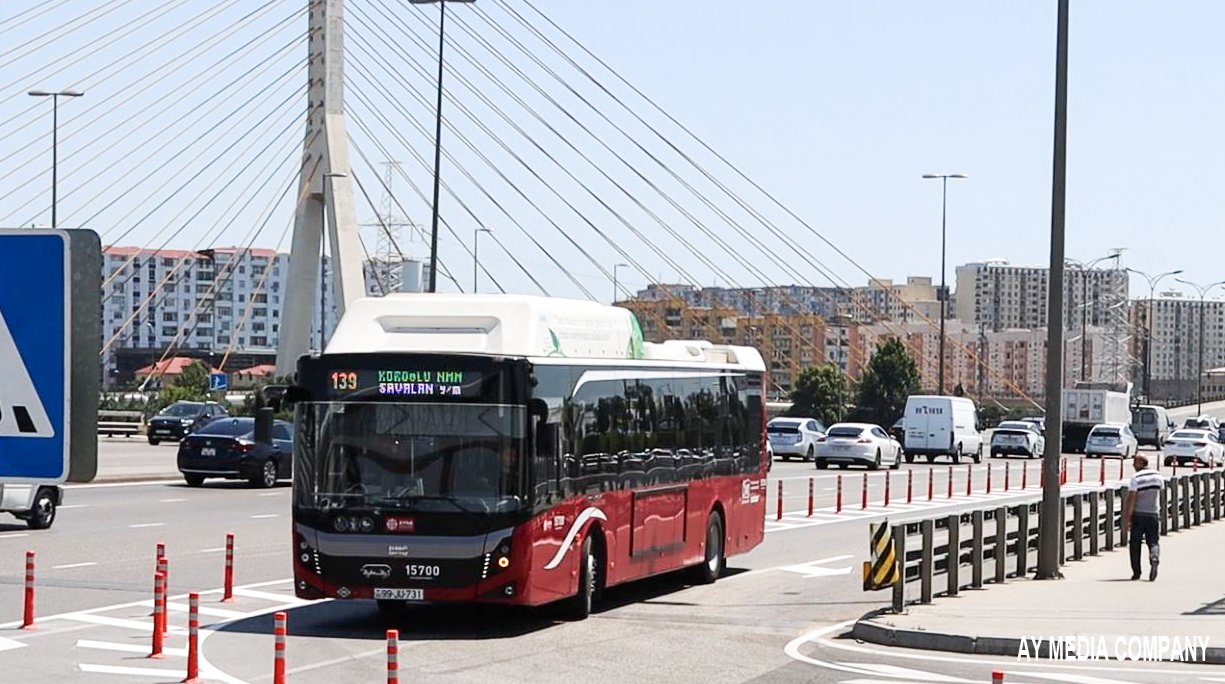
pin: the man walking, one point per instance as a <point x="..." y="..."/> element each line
<point x="1140" y="515"/>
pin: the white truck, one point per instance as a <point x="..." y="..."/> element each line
<point x="1086" y="406"/>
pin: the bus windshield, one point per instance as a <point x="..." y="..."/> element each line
<point x="415" y="457"/>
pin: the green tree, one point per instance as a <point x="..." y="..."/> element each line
<point x="891" y="376"/>
<point x="194" y="379"/>
<point x="820" y="392"/>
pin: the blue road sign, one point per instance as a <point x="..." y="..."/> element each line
<point x="34" y="356"/>
<point x="218" y="382"/>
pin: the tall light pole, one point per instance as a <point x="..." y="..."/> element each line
<point x="1050" y="529"/>
<point x="476" y="234"/>
<point x="944" y="292"/>
<point x="55" y="125"/>
<point x="442" y="23"/>
<point x="616" y="291"/>
<point x="1148" y="336"/>
<point x="1199" y="374"/>
<point x="1084" y="308"/>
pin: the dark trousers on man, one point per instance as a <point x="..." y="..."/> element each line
<point x="1144" y="528"/>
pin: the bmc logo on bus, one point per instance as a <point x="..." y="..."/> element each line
<point x="394" y="524"/>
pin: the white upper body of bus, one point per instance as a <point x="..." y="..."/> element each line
<point x="538" y="328"/>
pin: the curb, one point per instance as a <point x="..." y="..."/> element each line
<point x="129" y="478"/>
<point x="870" y="630"/>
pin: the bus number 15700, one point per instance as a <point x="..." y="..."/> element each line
<point x="421" y="571"/>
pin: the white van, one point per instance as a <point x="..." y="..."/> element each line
<point x="942" y="426"/>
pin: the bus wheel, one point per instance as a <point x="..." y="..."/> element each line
<point x="578" y="607"/>
<point x="716" y="558"/>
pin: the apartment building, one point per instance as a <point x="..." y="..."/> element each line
<point x="880" y="299"/>
<point x="1175" y="347"/>
<point x="1004" y="296"/>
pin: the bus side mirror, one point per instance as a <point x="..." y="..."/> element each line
<point x="290" y="395"/>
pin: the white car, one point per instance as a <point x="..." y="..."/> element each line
<point x="858" y="444"/>
<point x="1111" y="439"/>
<point x="1017" y="437"/>
<point x="1191" y="446"/>
<point x="794" y="437"/>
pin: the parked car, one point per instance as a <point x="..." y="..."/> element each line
<point x="175" y="421"/>
<point x="942" y="426"/>
<point x="1017" y="437"/>
<point x="864" y="444"/>
<point x="1194" y="446"/>
<point x="1111" y="439"/>
<point x="227" y="449"/>
<point x="1151" y="424"/>
<point x="794" y="437"/>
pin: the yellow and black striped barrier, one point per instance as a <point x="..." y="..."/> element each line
<point x="883" y="570"/>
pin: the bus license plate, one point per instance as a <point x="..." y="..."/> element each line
<point x="400" y="594"/>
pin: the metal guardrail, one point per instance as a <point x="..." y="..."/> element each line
<point x="124" y="423"/>
<point x="995" y="544"/>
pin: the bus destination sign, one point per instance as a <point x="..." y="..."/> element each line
<point x="442" y="384"/>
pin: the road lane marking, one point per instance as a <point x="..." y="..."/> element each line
<point x="898" y="672"/>
<point x="127" y="648"/>
<point x="94" y="619"/>
<point x="269" y="596"/>
<point x="206" y="610"/>
<point x="14" y="535"/>
<point x="270" y="494"/>
<point x="72" y="565"/>
<point x="64" y="507"/>
<point x="266" y="515"/>
<point x="10" y="644"/>
<point x="109" y="485"/>
<point x="139" y="525"/>
<point x="170" y="500"/>
<point x="131" y="671"/>
<point x="215" y="549"/>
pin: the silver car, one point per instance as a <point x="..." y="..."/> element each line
<point x="1111" y="439"/>
<point x="795" y="437"/>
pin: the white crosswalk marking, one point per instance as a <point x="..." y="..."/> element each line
<point x="127" y="648"/>
<point x="132" y="671"/>
<point x="9" y="644"/>
<point x="1069" y="678"/>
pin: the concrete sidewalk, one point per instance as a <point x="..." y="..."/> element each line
<point x="132" y="459"/>
<point x="1095" y="599"/>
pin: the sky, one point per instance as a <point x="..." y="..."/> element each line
<point x="835" y="108"/>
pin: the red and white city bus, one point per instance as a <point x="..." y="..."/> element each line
<point x="518" y="450"/>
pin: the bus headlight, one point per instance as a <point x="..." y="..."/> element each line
<point x="503" y="562"/>
<point x="341" y="524"/>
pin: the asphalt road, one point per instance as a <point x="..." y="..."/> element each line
<point x="95" y="567"/>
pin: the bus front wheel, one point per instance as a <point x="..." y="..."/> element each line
<point x="716" y="557"/>
<point x="579" y="606"/>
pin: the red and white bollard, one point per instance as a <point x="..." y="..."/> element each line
<point x="989" y="477"/>
<point x="1101" y="480"/>
<point x="997" y="677"/>
<point x="1121" y="466"/>
<point x="865" y="492"/>
<point x="780" y="500"/>
<point x="227" y="595"/>
<point x="838" y="499"/>
<point x="969" y="479"/>
<point x="1007" y="474"/>
<point x="161" y="550"/>
<point x="810" y="497"/>
<point x="909" y="486"/>
<point x="159" y="634"/>
<point x="393" y="656"/>
<point x="193" y="639"/>
<point x="1025" y="475"/>
<point x="930" y="483"/>
<point x="278" y="659"/>
<point x="950" y="482"/>
<point x="888" y="480"/>
<point x="27" y="615"/>
<point x="163" y="567"/>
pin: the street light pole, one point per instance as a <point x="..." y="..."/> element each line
<point x="1050" y="530"/>
<point x="1084" y="310"/>
<point x="476" y="233"/>
<point x="944" y="294"/>
<point x="616" y="291"/>
<point x="442" y="22"/>
<point x="55" y="125"/>
<point x="1148" y="336"/>
<point x="1199" y="375"/>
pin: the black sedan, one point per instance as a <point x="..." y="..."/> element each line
<point x="226" y="448"/>
<point x="182" y="417"/>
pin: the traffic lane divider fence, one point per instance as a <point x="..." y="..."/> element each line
<point x="1001" y="542"/>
